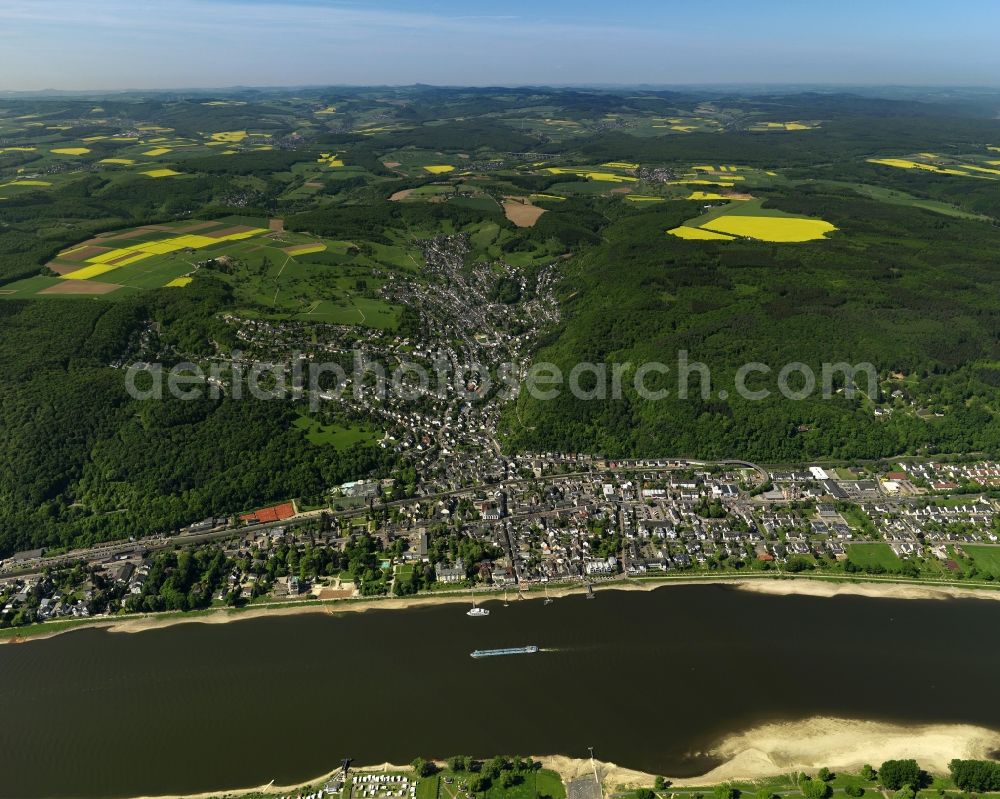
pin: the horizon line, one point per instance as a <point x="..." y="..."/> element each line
<point x="719" y="85"/>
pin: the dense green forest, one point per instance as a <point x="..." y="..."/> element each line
<point x="80" y="461"/>
<point x="927" y="309"/>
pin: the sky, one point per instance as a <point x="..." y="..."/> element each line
<point x="160" y="44"/>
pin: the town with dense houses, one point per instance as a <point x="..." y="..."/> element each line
<point x="534" y="522"/>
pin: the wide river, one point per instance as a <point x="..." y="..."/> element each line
<point x="647" y="679"/>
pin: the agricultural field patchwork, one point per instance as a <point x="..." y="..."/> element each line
<point x="140" y="258"/>
<point x="273" y="273"/>
<point x="597" y="174"/>
<point x="966" y="166"/>
<point x="498" y="181"/>
<point x="770" y="127"/>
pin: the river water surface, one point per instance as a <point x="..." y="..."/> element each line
<point x="647" y="679"/>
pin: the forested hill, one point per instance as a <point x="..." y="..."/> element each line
<point x="81" y="462"/>
<point x="929" y="309"/>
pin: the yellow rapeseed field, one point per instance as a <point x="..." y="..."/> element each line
<point x="331" y="160"/>
<point x="89" y="272"/>
<point x="706" y="195"/>
<point x="609" y="177"/>
<point x="784" y="126"/>
<point x="770" y="228"/>
<point x="246" y="234"/>
<point x="157" y="151"/>
<point x="99" y="264"/>
<point x="112" y="255"/>
<point x="161" y="173"/>
<point x="723" y="183"/>
<point x="982" y="169"/>
<point x="120" y="161"/>
<point x="178" y="282"/>
<point x="70" y="151"/>
<point x="440" y="169"/>
<point x="685" y="232"/>
<point x="309" y="250"/>
<point x="189" y="241"/>
<point x="230" y="136"/>
<point x="905" y="163"/>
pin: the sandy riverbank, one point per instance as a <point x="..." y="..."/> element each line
<point x="778" y="586"/>
<point x="782" y="748"/>
<point x="612" y="775"/>
<point x="157" y="621"/>
<point x="820" y="587"/>
<point x="766" y="751"/>
<point x="847" y="744"/>
<point x="331" y="608"/>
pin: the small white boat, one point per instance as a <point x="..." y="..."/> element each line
<point x="475" y="610"/>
